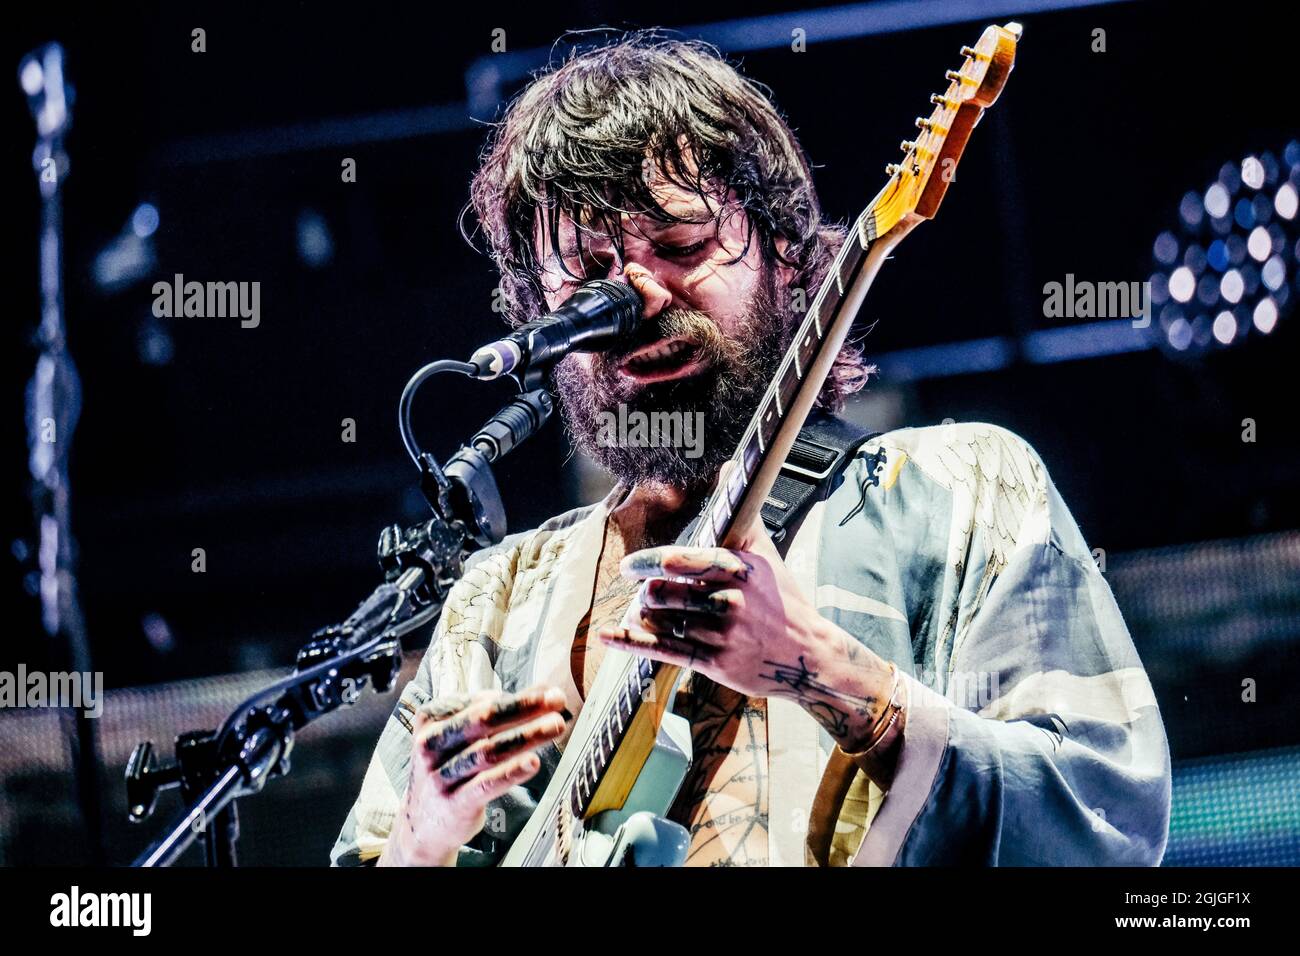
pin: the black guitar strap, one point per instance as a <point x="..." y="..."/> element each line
<point x="812" y="470"/>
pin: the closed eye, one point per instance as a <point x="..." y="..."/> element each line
<point x="680" y="252"/>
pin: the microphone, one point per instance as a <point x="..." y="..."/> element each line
<point x="594" y="318"/>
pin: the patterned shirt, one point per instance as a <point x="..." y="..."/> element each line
<point x="1033" y="736"/>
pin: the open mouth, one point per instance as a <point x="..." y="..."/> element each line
<point x="663" y="360"/>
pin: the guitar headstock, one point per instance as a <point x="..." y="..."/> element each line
<point x="919" y="180"/>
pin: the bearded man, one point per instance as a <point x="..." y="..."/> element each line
<point x="943" y="563"/>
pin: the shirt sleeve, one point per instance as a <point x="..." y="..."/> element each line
<point x="1033" y="736"/>
<point x="457" y="663"/>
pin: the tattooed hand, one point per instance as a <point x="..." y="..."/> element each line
<point x="739" y="618"/>
<point x="465" y="753"/>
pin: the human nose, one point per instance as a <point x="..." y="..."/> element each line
<point x="653" y="294"/>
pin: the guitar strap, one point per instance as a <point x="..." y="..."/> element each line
<point x="812" y="470"/>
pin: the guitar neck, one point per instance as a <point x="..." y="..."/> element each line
<point x="735" y="503"/>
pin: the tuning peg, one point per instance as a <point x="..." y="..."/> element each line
<point x="923" y="123"/>
<point x="892" y="169"/>
<point x="943" y="101"/>
<point x="907" y="145"/>
<point x="969" y="52"/>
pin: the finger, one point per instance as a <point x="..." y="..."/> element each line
<point x="482" y="718"/>
<point x="494" y="783"/>
<point x="702" y="628"/>
<point x="656" y="647"/>
<point x="662" y="593"/>
<point x="499" y="748"/>
<point x="440" y="708"/>
<point x="697" y="564"/>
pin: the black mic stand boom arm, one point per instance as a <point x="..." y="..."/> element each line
<point x="420" y="563"/>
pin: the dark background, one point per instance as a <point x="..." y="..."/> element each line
<point x="197" y="433"/>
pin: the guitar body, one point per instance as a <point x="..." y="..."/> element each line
<point x="637" y="833"/>
<point x="629" y="754"/>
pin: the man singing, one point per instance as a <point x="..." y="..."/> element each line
<point x="934" y="673"/>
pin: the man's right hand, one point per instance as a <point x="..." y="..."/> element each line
<point x="465" y="753"/>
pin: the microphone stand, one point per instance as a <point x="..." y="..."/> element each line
<point x="420" y="564"/>
<point x="53" y="407"/>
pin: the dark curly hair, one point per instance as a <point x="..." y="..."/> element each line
<point x="574" y="143"/>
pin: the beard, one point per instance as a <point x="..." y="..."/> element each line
<point x="721" y="399"/>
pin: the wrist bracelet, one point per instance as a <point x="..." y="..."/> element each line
<point x="885" y="732"/>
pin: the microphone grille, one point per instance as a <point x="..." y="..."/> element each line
<point x="625" y="299"/>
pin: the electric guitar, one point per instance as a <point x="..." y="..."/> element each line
<point x="629" y="754"/>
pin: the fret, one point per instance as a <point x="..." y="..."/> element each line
<point x="830" y="302"/>
<point x="736" y="483"/>
<point x="787" y="385"/>
<point x="720" y="515"/>
<point x="846" y="263"/>
<point x="807" y="350"/>
<point x="751" y="457"/>
<point x="768" y="423"/>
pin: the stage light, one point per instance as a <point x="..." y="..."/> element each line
<point x="1216" y="201"/>
<point x="315" y="244"/>
<point x="1207" y="290"/>
<point x="1202" y="333"/>
<point x="1180" y="334"/>
<point x="1225" y="327"/>
<point x="144" y="221"/>
<point x="1259" y="244"/>
<point x="1166" y="248"/>
<point x="1265" y="317"/>
<point x="1286" y="201"/>
<point x="31" y="77"/>
<point x="1233" y="257"/>
<point x="1217" y="255"/>
<point x="1252" y="172"/>
<point x="1182" y="284"/>
<point x="1232" y="286"/>
<point x="1244" y="213"/>
<point x="1273" y="274"/>
<point x="1236" y="247"/>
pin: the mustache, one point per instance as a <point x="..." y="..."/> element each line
<point x="690" y="326"/>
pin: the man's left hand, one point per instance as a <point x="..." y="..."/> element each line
<point x="738" y="617"/>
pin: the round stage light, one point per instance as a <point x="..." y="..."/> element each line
<point x="1226" y="271"/>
